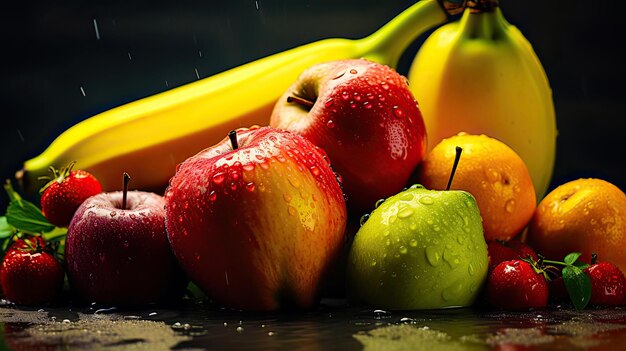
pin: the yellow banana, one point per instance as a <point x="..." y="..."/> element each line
<point x="480" y="75"/>
<point x="149" y="137"/>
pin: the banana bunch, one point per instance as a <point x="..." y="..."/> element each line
<point x="480" y="75"/>
<point x="148" y="138"/>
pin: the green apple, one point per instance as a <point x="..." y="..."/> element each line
<point x="419" y="249"/>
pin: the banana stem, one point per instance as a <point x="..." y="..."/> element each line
<point x="389" y="42"/>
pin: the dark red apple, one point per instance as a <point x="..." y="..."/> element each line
<point x="257" y="221"/>
<point x="364" y="116"/>
<point x="119" y="254"/>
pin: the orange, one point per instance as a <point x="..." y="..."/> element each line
<point x="584" y="215"/>
<point x="493" y="173"/>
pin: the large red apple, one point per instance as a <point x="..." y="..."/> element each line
<point x="118" y="253"/>
<point x="257" y="220"/>
<point x="364" y="116"/>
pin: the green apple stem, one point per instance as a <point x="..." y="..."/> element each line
<point x="300" y="100"/>
<point x="125" y="190"/>
<point x="456" y="163"/>
<point x="233" y="139"/>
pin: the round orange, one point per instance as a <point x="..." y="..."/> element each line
<point x="583" y="215"/>
<point x="493" y="173"/>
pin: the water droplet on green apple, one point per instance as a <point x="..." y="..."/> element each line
<point x="364" y="218"/>
<point x="393" y="218"/>
<point x="373" y="263"/>
<point x="393" y="274"/>
<point x="388" y="242"/>
<point x="413" y="226"/>
<point x="405" y="213"/>
<point x="403" y="250"/>
<point x="433" y="255"/>
<point x="510" y="206"/>
<point x="416" y="186"/>
<point x="451" y="258"/>
<point x="386" y="233"/>
<point x="426" y="200"/>
<point x="436" y="227"/>
<point x="406" y="197"/>
<point x="379" y="202"/>
<point x="453" y="291"/>
<point x="470" y="269"/>
<point x="413" y="243"/>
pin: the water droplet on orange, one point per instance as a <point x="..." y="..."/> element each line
<point x="315" y="171"/>
<point x="509" y="206"/>
<point x="291" y="210"/>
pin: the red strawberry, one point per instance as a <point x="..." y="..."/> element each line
<point x="608" y="285"/>
<point x="65" y="192"/>
<point x="517" y="285"/>
<point x="500" y="251"/>
<point x="30" y="274"/>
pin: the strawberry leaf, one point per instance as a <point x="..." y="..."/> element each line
<point x="27" y="217"/>
<point x="581" y="265"/>
<point x="6" y="230"/>
<point x="578" y="286"/>
<point x="571" y="258"/>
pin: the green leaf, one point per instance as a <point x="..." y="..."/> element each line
<point x="6" y="230"/>
<point x="578" y="286"/>
<point x="581" y="265"/>
<point x="571" y="258"/>
<point x="27" y="217"/>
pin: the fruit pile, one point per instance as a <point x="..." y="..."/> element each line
<point x="339" y="179"/>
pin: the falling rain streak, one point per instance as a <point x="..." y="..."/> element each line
<point x="95" y="26"/>
<point x="256" y="3"/>
<point x="82" y="91"/>
<point x="197" y="74"/>
<point x="130" y="57"/>
<point x="19" y="133"/>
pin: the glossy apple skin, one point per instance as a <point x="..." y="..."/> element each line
<point x="258" y="227"/>
<point x="365" y="118"/>
<point x="420" y="249"/>
<point x="121" y="257"/>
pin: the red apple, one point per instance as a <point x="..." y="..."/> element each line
<point x="258" y="220"/>
<point x="364" y="116"/>
<point x="118" y="253"/>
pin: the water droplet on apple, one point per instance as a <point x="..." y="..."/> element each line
<point x="379" y="202"/>
<point x="113" y="213"/>
<point x="281" y="158"/>
<point x="248" y="167"/>
<point x="393" y="274"/>
<point x="416" y="186"/>
<point x="352" y="105"/>
<point x="340" y="74"/>
<point x="398" y="112"/>
<point x="403" y="250"/>
<point x="212" y="195"/>
<point x="379" y="314"/>
<point x="452" y="292"/>
<point x="426" y="200"/>
<point x="91" y="213"/>
<point x="470" y="269"/>
<point x="373" y="263"/>
<point x="405" y="213"/>
<point x="345" y="95"/>
<point x="357" y="97"/>
<point x="180" y="219"/>
<point x="291" y="210"/>
<point x="367" y="105"/>
<point x="250" y="187"/>
<point x="330" y="124"/>
<point x="388" y="242"/>
<point x="353" y="71"/>
<point x="433" y="255"/>
<point x="393" y="218"/>
<point x="436" y="227"/>
<point x="132" y="216"/>
<point x="452" y="258"/>
<point x="364" y="219"/>
<point x="510" y="206"/>
<point x="233" y="186"/>
<point x="218" y="178"/>
<point x="264" y="165"/>
<point x="315" y="171"/>
<point x="294" y="182"/>
<point x="329" y="102"/>
<point x="413" y="243"/>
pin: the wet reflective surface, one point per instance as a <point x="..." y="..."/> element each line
<point x="334" y="325"/>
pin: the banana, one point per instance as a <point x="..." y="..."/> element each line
<point x="481" y="75"/>
<point x="148" y="138"/>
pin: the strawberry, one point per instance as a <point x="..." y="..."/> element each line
<point x="500" y="251"/>
<point x="30" y="274"/>
<point x="608" y="284"/>
<point x="517" y="285"/>
<point x="65" y="191"/>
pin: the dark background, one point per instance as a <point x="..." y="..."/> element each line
<point x="50" y="51"/>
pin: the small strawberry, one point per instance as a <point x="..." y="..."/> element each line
<point x="517" y="285"/>
<point x="608" y="284"/>
<point x="66" y="190"/>
<point x="500" y="251"/>
<point x="30" y="274"/>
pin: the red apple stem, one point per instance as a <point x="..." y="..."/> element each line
<point x="125" y="190"/>
<point x="233" y="139"/>
<point x="456" y="163"/>
<point x="300" y="100"/>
